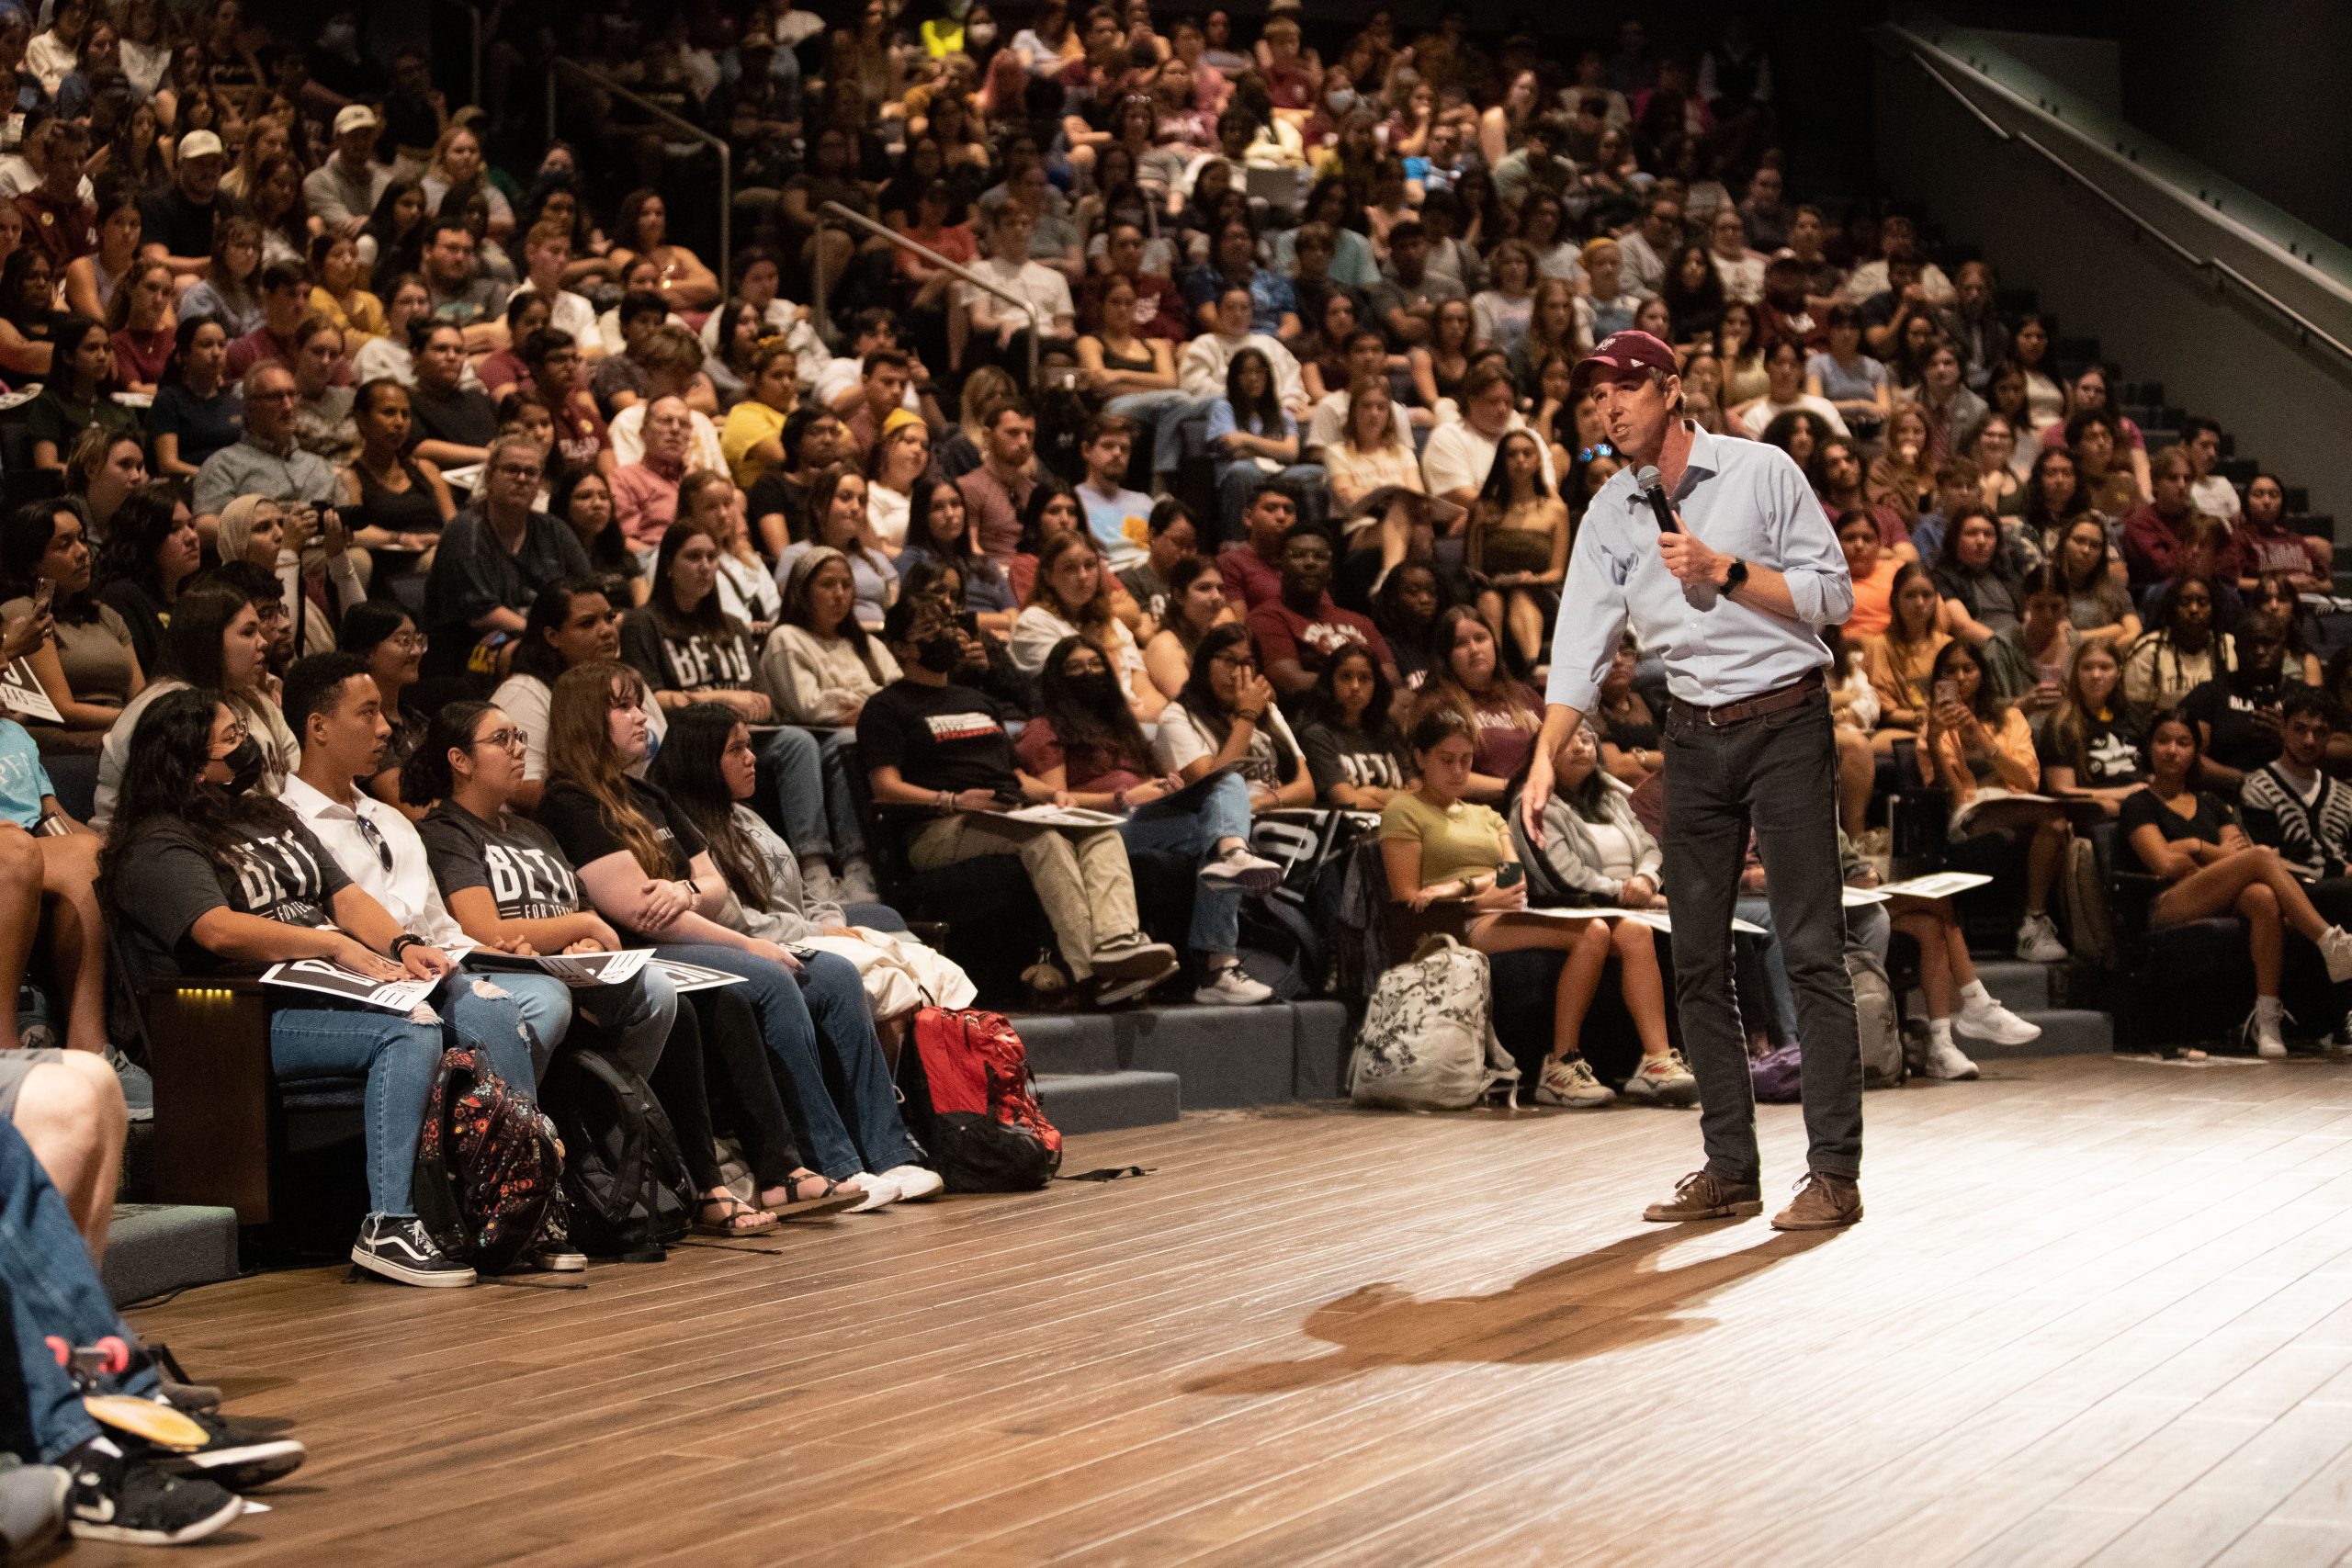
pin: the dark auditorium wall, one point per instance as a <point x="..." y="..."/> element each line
<point x="2256" y="88"/>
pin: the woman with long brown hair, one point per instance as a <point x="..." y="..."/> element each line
<point x="646" y="868"/>
<point x="1072" y="598"/>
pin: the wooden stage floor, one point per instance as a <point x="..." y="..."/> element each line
<point x="2100" y="1312"/>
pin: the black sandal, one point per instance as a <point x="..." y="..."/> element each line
<point x="830" y="1201"/>
<point x="732" y="1210"/>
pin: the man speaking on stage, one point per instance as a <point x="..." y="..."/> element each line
<point x="1718" y="554"/>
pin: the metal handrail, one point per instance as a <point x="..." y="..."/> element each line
<point x="2117" y="204"/>
<point x="2307" y="330"/>
<point x="692" y="131"/>
<point x="2302" y="323"/>
<point x="2000" y="131"/>
<point x="834" y="210"/>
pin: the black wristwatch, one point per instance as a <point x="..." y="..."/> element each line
<point x="1734" y="578"/>
<point x="401" y="943"/>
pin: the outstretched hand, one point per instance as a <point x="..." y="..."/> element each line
<point x="1535" y="796"/>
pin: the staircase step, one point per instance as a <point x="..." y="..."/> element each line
<point x="1068" y="1042"/>
<point x="1319" y="1069"/>
<point x="2021" y="988"/>
<point x="154" y="1248"/>
<point x="1104" y="1102"/>
<point x="2065" y="1032"/>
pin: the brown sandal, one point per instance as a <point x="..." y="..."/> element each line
<point x="733" y="1213"/>
<point x="832" y="1198"/>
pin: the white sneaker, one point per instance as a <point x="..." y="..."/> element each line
<point x="1663" y="1080"/>
<point x="1229" y="984"/>
<point x="2038" y="942"/>
<point x="2268" y="1044"/>
<point x="1945" y="1061"/>
<point x="2335" y="947"/>
<point x="857" y="885"/>
<point x="1571" y="1083"/>
<point x="1990" y="1022"/>
<point x="880" y="1192"/>
<point x="1237" y="867"/>
<point x="914" y="1182"/>
<point x="819" y="885"/>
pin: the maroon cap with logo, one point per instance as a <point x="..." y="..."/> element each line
<point x="1625" y="351"/>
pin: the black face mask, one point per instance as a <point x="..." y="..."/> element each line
<point x="1100" y="691"/>
<point x="941" y="654"/>
<point x="246" y="764"/>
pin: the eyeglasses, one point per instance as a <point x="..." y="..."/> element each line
<point x="516" y="470"/>
<point x="377" y="842"/>
<point x="509" y="739"/>
<point x="237" y="733"/>
<point x="412" y="642"/>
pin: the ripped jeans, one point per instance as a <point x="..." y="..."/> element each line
<point x="399" y="1055"/>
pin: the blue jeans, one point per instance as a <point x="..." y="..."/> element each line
<point x="805" y="779"/>
<point x="546" y="1005"/>
<point x="876" y="917"/>
<point x="1162" y="415"/>
<point x="1868" y="925"/>
<point x="399" y="1055"/>
<point x="52" y="1288"/>
<point x="818" y="1023"/>
<point x="632" y="1022"/>
<point x="1223" y="813"/>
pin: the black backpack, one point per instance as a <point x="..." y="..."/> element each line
<point x="486" y="1169"/>
<point x="629" y="1192"/>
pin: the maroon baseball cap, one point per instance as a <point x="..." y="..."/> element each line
<point x="1625" y="351"/>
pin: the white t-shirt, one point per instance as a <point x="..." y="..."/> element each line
<point x="1459" y="456"/>
<point x="887" y="513"/>
<point x="1765" y="411"/>
<point x="1180" y="742"/>
<point x="2217" y="497"/>
<point x="1047" y="291"/>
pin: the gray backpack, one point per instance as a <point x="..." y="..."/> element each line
<point x="1427" y="1040"/>
<point x="1877" y="1018"/>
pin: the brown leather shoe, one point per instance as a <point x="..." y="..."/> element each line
<point x="1702" y="1195"/>
<point x="1821" y="1204"/>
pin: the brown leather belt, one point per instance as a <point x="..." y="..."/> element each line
<point x="1772" y="702"/>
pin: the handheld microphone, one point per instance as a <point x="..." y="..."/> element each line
<point x="1649" y="483"/>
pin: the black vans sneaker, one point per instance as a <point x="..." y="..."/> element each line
<point x="117" y="1497"/>
<point x="551" y="1250"/>
<point x="397" y="1246"/>
<point x="238" y="1454"/>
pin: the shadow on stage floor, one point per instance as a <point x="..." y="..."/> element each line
<point x="1613" y="1298"/>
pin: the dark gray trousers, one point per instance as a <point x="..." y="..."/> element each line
<point x="1777" y="774"/>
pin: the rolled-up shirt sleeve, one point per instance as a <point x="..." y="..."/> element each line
<point x="1820" y="585"/>
<point x="1591" y="619"/>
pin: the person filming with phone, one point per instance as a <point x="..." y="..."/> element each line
<point x="1719" y="556"/>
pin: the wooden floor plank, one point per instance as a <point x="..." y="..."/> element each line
<point x="2099" y="1312"/>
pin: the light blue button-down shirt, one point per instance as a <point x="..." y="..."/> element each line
<point x="1741" y="498"/>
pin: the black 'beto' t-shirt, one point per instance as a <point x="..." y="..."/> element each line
<point x="695" y="662"/>
<point x="946" y="737"/>
<point x="280" y="874"/>
<point x="516" y="857"/>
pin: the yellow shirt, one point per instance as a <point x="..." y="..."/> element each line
<point x="1462" y="839"/>
<point x="749" y="423"/>
<point x="362" y="319"/>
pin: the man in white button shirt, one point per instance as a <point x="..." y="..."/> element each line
<point x="333" y="707"/>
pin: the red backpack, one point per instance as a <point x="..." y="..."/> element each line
<point x="968" y="1086"/>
